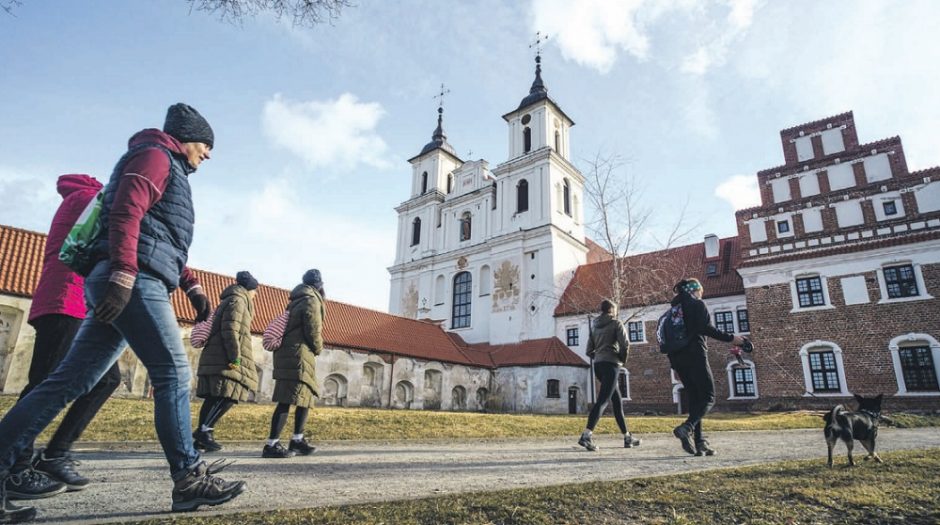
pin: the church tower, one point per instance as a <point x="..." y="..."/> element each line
<point x="488" y="253"/>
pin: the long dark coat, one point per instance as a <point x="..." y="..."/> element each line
<point x="229" y="339"/>
<point x="295" y="361"/>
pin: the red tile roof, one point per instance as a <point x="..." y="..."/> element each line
<point x="347" y="326"/>
<point x="534" y="352"/>
<point x="597" y="253"/>
<point x="648" y="278"/>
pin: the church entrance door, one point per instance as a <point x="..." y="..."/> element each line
<point x="572" y="400"/>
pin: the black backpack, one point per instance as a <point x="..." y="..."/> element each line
<point x="671" y="332"/>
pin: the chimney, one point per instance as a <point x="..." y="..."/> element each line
<point x="711" y="246"/>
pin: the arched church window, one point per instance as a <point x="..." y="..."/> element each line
<point x="566" y="188"/>
<point x="460" y="317"/>
<point x="527" y="139"/>
<point x="450" y="182"/>
<point x="415" y="231"/>
<point x="424" y="183"/>
<point x="557" y="141"/>
<point x="522" y="196"/>
<point x="465" y="223"/>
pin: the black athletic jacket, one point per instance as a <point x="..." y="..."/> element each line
<point x="698" y="324"/>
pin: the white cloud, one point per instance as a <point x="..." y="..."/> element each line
<point x="741" y="191"/>
<point x="279" y="232"/>
<point x="29" y="200"/>
<point x="592" y="32"/>
<point x="336" y="133"/>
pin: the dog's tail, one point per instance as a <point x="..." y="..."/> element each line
<point x="835" y="415"/>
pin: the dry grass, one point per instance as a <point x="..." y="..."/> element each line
<point x="132" y="420"/>
<point x="903" y="490"/>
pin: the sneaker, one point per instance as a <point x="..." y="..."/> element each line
<point x="629" y="441"/>
<point x="205" y="441"/>
<point x="61" y="469"/>
<point x="702" y="449"/>
<point x="587" y="442"/>
<point x="30" y="484"/>
<point x="685" y="437"/>
<point x="276" y="451"/>
<point x="202" y="487"/>
<point x="10" y="513"/>
<point x="301" y="447"/>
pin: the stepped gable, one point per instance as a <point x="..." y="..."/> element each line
<point x="650" y="277"/>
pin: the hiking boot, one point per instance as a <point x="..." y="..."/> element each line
<point x="629" y="441"/>
<point x="61" y="469"/>
<point x="30" y="484"/>
<point x="702" y="449"/>
<point x="587" y="442"/>
<point x="684" y="433"/>
<point x="204" y="440"/>
<point x="202" y="487"/>
<point x="10" y="513"/>
<point x="276" y="451"/>
<point x="301" y="447"/>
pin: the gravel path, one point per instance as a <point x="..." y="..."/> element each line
<point x="132" y="482"/>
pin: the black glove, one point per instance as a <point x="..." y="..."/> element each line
<point x="201" y="304"/>
<point x="112" y="304"/>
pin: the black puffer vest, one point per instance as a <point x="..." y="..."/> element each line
<point x="166" y="231"/>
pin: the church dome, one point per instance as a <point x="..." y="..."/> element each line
<point x="538" y="91"/>
<point x="438" y="138"/>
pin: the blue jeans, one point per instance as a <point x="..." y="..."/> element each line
<point x="148" y="324"/>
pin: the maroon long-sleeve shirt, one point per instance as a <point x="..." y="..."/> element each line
<point x="141" y="185"/>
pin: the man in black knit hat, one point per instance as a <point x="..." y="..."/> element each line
<point x="147" y="226"/>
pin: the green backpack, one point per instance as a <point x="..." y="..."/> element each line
<point x="76" y="249"/>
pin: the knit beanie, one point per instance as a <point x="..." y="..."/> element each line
<point x="312" y="278"/>
<point x="246" y="280"/>
<point x="185" y="124"/>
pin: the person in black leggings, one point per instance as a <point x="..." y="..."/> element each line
<point x="691" y="364"/>
<point x="608" y="347"/>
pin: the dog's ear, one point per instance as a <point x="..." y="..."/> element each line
<point x="879" y="397"/>
<point x="859" y="398"/>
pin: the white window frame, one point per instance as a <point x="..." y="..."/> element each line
<point x="808" y="377"/>
<point x="573" y="327"/>
<point x="905" y="340"/>
<point x="922" y="294"/>
<point x="737" y="320"/>
<point x="642" y="331"/>
<point x="734" y="319"/>
<point x="795" y="298"/>
<point x="730" y="370"/>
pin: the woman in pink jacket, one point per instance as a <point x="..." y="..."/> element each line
<point x="56" y="313"/>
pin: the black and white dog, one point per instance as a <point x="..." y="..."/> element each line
<point x="849" y="426"/>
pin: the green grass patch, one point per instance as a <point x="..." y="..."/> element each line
<point x="132" y="420"/>
<point x="903" y="490"/>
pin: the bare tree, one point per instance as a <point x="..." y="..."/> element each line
<point x="622" y="226"/>
<point x="303" y="13"/>
<point x="10" y="5"/>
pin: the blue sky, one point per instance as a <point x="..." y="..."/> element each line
<point x="314" y="126"/>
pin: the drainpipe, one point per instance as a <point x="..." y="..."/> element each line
<point x="391" y="381"/>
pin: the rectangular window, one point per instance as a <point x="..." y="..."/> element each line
<point x="824" y="372"/>
<point x="743" y="382"/>
<point x="900" y="281"/>
<point x="917" y="366"/>
<point x="462" y="292"/>
<point x="724" y="321"/>
<point x="553" y="390"/>
<point x="711" y="269"/>
<point x="635" y="331"/>
<point x="744" y="325"/>
<point x="783" y="226"/>
<point x="573" y="338"/>
<point x="890" y="207"/>
<point x="809" y="292"/>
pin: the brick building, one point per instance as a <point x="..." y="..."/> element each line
<point x="835" y="276"/>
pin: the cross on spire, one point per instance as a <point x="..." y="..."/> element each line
<point x="440" y="97"/>
<point x="539" y="38"/>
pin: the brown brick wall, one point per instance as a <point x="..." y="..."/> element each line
<point x="861" y="331"/>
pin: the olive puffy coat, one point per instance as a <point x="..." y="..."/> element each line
<point x="295" y="361"/>
<point x="229" y="339"/>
